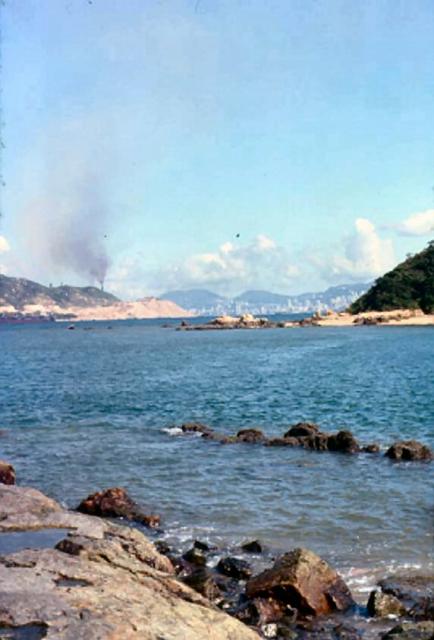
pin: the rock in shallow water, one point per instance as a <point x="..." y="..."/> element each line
<point x="234" y="568"/>
<point x="408" y="450"/>
<point x="304" y="581"/>
<point x="7" y="473"/>
<point x="382" y="605"/>
<point x="116" y="503"/>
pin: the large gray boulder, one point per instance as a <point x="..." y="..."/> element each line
<point x="102" y="581"/>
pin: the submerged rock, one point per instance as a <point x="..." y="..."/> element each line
<point x="116" y="503"/>
<point x="304" y="581"/>
<point x="7" y="473"/>
<point x="406" y="450"/>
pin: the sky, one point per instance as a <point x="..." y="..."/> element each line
<point x="285" y="145"/>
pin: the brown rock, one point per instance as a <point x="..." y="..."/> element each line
<point x="382" y="605"/>
<point x="195" y="427"/>
<point x="234" y="568"/>
<point x="344" y="442"/>
<point x="250" y="435"/>
<point x="283" y="442"/>
<point x="304" y="581"/>
<point x="406" y="450"/>
<point x="7" y="473"/>
<point x="203" y="581"/>
<point x="371" y="448"/>
<point x="302" y="429"/>
<point x="316" y="441"/>
<point x="416" y="593"/>
<point x="116" y="503"/>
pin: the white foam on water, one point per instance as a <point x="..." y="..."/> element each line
<point x="173" y="431"/>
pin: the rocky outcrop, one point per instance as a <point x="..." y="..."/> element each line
<point x="407" y="450"/>
<point x="116" y="503"/>
<point x="302" y="580"/>
<point x="7" y="473"/>
<point x="309" y="436"/>
<point x="102" y="581"/>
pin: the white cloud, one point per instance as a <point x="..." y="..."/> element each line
<point x="4" y="245"/>
<point x="233" y="267"/>
<point x="365" y="255"/>
<point x="418" y="224"/>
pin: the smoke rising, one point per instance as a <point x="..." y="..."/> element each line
<point x="76" y="240"/>
<point x="65" y="223"/>
<point x="66" y="230"/>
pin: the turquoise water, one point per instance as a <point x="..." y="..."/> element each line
<point x="87" y="409"/>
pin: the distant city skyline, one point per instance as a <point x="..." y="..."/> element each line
<point x="226" y="145"/>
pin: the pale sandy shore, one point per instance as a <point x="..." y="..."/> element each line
<point x="138" y="310"/>
<point x="398" y="317"/>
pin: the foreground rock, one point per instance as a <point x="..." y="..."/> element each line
<point x="303" y="581"/>
<point x="7" y="473"/>
<point x="408" y="450"/>
<point x="414" y="593"/>
<point x="102" y="581"/>
<point x="116" y="503"/>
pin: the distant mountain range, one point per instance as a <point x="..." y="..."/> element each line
<point x="18" y="292"/>
<point x="206" y="303"/>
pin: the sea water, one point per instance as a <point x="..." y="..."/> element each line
<point x="92" y="408"/>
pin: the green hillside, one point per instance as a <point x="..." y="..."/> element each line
<point x="409" y="286"/>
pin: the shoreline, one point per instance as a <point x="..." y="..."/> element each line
<point x="79" y="557"/>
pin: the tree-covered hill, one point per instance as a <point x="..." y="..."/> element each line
<point x="409" y="286"/>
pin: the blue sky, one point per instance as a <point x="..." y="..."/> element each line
<point x="227" y="144"/>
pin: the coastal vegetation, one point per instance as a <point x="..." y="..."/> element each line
<point x="410" y="285"/>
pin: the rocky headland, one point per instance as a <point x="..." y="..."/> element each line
<point x="82" y="574"/>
